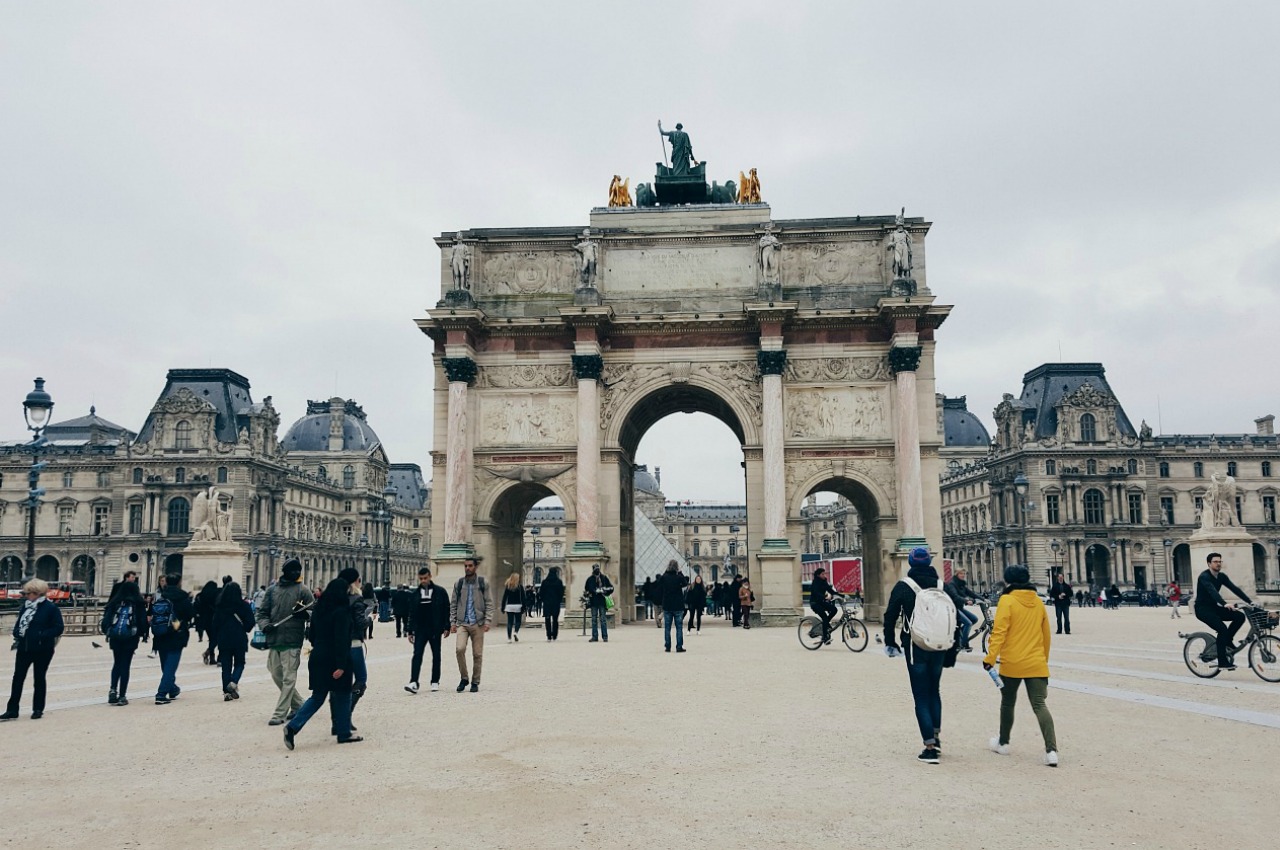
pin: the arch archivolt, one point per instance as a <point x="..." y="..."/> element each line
<point x="496" y="488"/>
<point x="876" y="475"/>
<point x="734" y="383"/>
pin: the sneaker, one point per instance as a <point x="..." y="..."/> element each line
<point x="36" y="715"/>
<point x="435" y="686"/>
<point x="929" y="755"/>
<point x="1051" y="759"/>
<point x="462" y="686"/>
<point x="276" y="721"/>
<point x="412" y="687"/>
<point x="354" y="739"/>
<point x="997" y="747"/>
<point x="173" y="694"/>
<point x="9" y="715"/>
<point x="122" y="701"/>
<point x="517" y="637"/>
<point x="227" y="697"/>
<point x="475" y="686"/>
<point x="680" y="649"/>
<point x="112" y="698"/>
<point x="234" y="690"/>
<point x="288" y="737"/>
<point x="163" y="700"/>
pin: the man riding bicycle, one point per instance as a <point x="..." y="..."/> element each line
<point x="1213" y="610"/>
<point x="820" y="593"/>
<point x="959" y="591"/>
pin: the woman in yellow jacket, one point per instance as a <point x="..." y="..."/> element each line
<point x="1020" y="645"/>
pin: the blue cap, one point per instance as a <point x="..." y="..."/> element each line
<point x="919" y="557"/>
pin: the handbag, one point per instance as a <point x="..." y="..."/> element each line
<point x="608" y="603"/>
<point x="513" y="608"/>
<point x="259" y="640"/>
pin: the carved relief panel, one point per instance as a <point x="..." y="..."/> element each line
<point x="539" y="419"/>
<point x="815" y="264"/>
<point x="843" y="413"/>
<point x="527" y="273"/>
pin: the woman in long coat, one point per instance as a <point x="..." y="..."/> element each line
<point x="329" y="666"/>
<point x="232" y="621"/>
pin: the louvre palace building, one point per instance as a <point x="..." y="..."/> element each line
<point x="1069" y="482"/>
<point x="117" y="500"/>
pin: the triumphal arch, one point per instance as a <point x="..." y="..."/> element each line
<point x="556" y="348"/>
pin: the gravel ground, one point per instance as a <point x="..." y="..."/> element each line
<point x="746" y="739"/>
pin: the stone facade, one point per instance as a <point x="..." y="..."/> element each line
<point x="117" y="501"/>
<point x="825" y="376"/>
<point x="1106" y="502"/>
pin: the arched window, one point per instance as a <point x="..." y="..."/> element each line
<point x="1050" y="467"/>
<point x="182" y="435"/>
<point x="733" y="548"/>
<point x="137" y="475"/>
<point x="557" y="549"/>
<point x="1093" y="507"/>
<point x="1164" y="469"/>
<point x="1198" y="468"/>
<point x="826" y="545"/>
<point x="322" y="473"/>
<point x="68" y="479"/>
<point x="1231" y="468"/>
<point x="179" y="516"/>
<point x="222" y="475"/>
<point x="348" y="477"/>
<point x="1088" y="428"/>
<point x="1133" y="466"/>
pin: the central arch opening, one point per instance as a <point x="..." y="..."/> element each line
<point x="838" y="527"/>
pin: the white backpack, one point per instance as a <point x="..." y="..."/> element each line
<point x="933" y="623"/>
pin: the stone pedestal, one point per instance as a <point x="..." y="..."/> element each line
<point x="1236" y="547"/>
<point x="776" y="587"/>
<point x="578" y="567"/>
<point x="210" y="560"/>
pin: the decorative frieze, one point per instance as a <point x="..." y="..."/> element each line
<point x="530" y="376"/>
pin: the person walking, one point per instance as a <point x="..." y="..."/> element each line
<point x="470" y="613"/>
<point x="329" y="665"/>
<point x="598" y="589"/>
<point x="551" y="595"/>
<point x="206" y="602"/>
<point x="370" y="603"/>
<point x="735" y="599"/>
<point x="124" y="622"/>
<point x="402" y="603"/>
<point x="1060" y="593"/>
<point x="35" y="636"/>
<point x="426" y="627"/>
<point x="671" y="586"/>
<point x="363" y="605"/>
<point x="232" y="621"/>
<point x="653" y="599"/>
<point x="646" y="595"/>
<point x="282" y="616"/>
<point x="1019" y="643"/>
<point x="171" y="615"/>
<point x="1175" y="599"/>
<point x="513" y="606"/>
<point x="383" y="595"/>
<point x="696" y="599"/>
<point x="924" y="666"/>
<point x="745" y="600"/>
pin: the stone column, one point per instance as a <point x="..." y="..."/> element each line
<point x="587" y="369"/>
<point x="903" y="360"/>
<point x="771" y="365"/>
<point x="461" y="372"/>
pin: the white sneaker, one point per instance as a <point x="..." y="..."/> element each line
<point x="435" y="686"/>
<point x="1051" y="759"/>
<point x="412" y="687"/>
<point x="997" y="747"/>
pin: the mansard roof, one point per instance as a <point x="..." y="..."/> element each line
<point x="1044" y="387"/>
<point x="225" y="390"/>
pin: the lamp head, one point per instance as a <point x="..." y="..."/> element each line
<point x="1021" y="484"/>
<point x="37" y="407"/>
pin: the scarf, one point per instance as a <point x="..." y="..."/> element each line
<point x="1010" y="588"/>
<point x="28" y="614"/>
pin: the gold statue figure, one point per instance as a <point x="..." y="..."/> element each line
<point x="748" y="188"/>
<point x="619" y="192"/>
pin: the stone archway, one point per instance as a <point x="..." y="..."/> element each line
<point x="500" y="537"/>
<point x="10" y="568"/>
<point x="1097" y="566"/>
<point x="549" y="369"/>
<point x="85" y="568"/>
<point x="1182" y="567"/>
<point x="47" y="568"/>
<point x="173" y="565"/>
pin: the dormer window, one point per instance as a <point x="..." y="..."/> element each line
<point x="1088" y="428"/>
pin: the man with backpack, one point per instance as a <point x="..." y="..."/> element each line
<point x="282" y="616"/>
<point x="171" y="613"/>
<point x="926" y="639"/>
<point x="470" y="613"/>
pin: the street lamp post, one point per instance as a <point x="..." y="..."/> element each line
<point x="1020" y="486"/>
<point x="388" y="502"/>
<point x="1168" y="563"/>
<point x="363" y="543"/>
<point x="1055" y="546"/>
<point x="534" y="532"/>
<point x="36" y="410"/>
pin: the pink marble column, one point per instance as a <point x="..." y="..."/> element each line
<point x="904" y="361"/>
<point x="588" y="506"/>
<point x="772" y="362"/>
<point x="458" y="457"/>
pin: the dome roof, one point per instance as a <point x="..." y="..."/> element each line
<point x="960" y="427"/>
<point x="311" y="432"/>
<point x="644" y="482"/>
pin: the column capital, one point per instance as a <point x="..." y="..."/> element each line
<point x="904" y="358"/>
<point x="771" y="362"/>
<point x="459" y="369"/>
<point x="587" y="366"/>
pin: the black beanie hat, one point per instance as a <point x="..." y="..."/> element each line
<point x="292" y="569"/>
<point x="1016" y="574"/>
<point x="350" y="575"/>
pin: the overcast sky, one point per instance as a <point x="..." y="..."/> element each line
<point x="255" y="185"/>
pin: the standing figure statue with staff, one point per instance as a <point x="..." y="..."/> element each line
<point x="681" y="149"/>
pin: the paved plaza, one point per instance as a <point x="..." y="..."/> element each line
<point x="745" y="740"/>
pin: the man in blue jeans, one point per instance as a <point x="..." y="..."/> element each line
<point x="597" y="589"/>
<point x="171" y="614"/>
<point x="924" y="667"/>
<point x="671" y="588"/>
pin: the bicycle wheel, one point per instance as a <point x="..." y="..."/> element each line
<point x="810" y="632"/>
<point x="854" y="634"/>
<point x="1201" y="654"/>
<point x="986" y="635"/>
<point x="1264" y="658"/>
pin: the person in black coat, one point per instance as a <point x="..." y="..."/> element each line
<point x="1213" y="611"/>
<point x="232" y="621"/>
<point x="552" y="594"/>
<point x="170" y="637"/>
<point x="820" y="593"/>
<point x="696" y="599"/>
<point x="206" y="602"/>
<point x="735" y="600"/>
<point x="671" y="585"/>
<point x="427" y="625"/>
<point x="1060" y="592"/>
<point x="124" y="622"/>
<point x="402" y="602"/>
<point x="329" y="665"/>
<point x="35" y="635"/>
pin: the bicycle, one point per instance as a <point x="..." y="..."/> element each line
<point x="983" y="629"/>
<point x="853" y="632"/>
<point x="1200" y="651"/>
